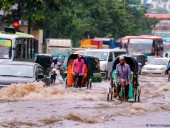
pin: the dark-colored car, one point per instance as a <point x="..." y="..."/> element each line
<point x="20" y="72"/>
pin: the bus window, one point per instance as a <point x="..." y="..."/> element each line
<point x="28" y="48"/>
<point x="31" y="48"/>
<point x="21" y="49"/>
<point x="5" y="49"/>
<point x="17" y="49"/>
<point x="35" y="42"/>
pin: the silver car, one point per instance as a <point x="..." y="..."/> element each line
<point x="20" y="72"/>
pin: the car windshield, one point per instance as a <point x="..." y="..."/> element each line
<point x="16" y="70"/>
<point x="56" y="50"/>
<point x="5" y="49"/>
<point x="159" y="62"/>
<point x="140" y="45"/>
<point x="101" y="55"/>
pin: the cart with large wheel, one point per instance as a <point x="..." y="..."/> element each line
<point x="45" y="60"/>
<point x="91" y="71"/>
<point x="134" y="91"/>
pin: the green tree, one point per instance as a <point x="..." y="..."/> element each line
<point x="34" y="11"/>
<point x="78" y="19"/>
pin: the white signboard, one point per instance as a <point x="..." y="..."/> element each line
<point x="60" y="43"/>
<point x="141" y="41"/>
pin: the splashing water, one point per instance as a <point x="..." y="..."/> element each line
<point x="36" y="91"/>
<point x="16" y="123"/>
<point x="87" y="119"/>
<point x="28" y="91"/>
<point x="51" y="120"/>
<point x="76" y="106"/>
<point x="137" y="108"/>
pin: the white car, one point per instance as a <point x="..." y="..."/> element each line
<point x="156" y="66"/>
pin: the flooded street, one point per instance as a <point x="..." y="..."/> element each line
<point x="31" y="105"/>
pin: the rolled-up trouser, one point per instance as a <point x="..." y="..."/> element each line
<point x="126" y="89"/>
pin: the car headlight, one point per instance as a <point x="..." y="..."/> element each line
<point x="104" y="68"/>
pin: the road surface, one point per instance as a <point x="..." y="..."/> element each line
<point x="31" y="105"/>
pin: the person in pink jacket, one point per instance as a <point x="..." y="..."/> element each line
<point x="78" y="69"/>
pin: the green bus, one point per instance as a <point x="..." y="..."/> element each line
<point x="18" y="46"/>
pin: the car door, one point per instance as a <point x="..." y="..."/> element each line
<point x="110" y="61"/>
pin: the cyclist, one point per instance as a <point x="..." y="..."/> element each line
<point x="78" y="70"/>
<point x="123" y="72"/>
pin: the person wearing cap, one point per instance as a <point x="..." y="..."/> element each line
<point x="123" y="73"/>
<point x="78" y="69"/>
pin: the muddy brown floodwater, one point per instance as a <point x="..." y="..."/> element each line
<point x="31" y="105"/>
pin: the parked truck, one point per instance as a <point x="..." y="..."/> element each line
<point x="59" y="48"/>
<point x="107" y="42"/>
<point x="98" y="43"/>
<point x="90" y="44"/>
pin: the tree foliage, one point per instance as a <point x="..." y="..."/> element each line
<point x="77" y="19"/>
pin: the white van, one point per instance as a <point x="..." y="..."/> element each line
<point x="106" y="57"/>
